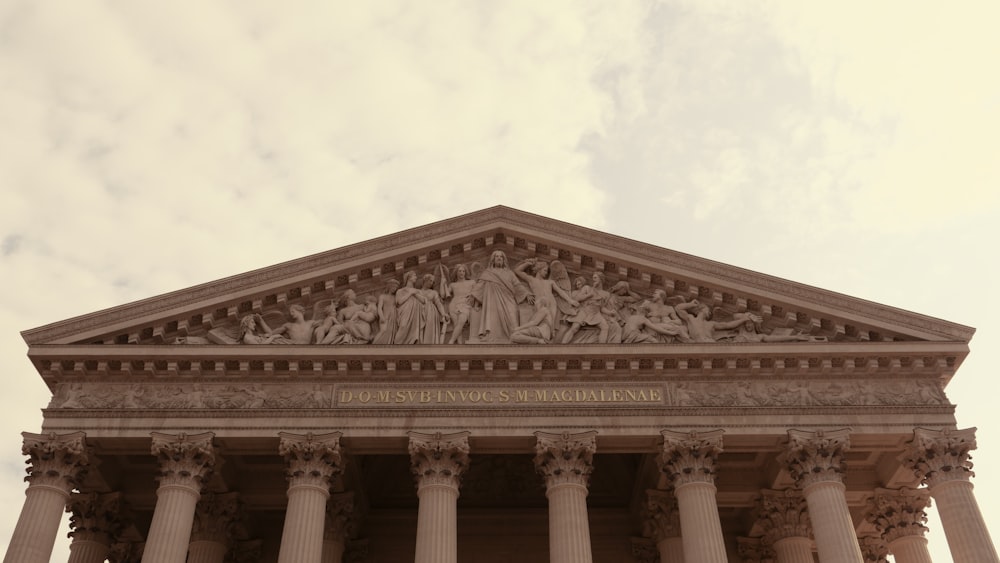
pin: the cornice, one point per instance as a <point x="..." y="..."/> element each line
<point x="488" y="221"/>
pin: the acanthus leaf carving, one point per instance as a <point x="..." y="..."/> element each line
<point x="96" y="517"/>
<point x="899" y="513"/>
<point x="939" y="456"/>
<point x="186" y="460"/>
<point x="662" y="518"/>
<point x="689" y="457"/>
<point x="439" y="459"/>
<point x="814" y="457"/>
<point x="783" y="514"/>
<point x="55" y="460"/>
<point x="312" y="460"/>
<point x="565" y="458"/>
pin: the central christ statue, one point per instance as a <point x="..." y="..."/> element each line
<point x="498" y="292"/>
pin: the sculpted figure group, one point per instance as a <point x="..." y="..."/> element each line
<point x="530" y="303"/>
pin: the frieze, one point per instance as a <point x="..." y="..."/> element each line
<point x="715" y="393"/>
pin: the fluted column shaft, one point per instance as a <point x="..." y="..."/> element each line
<point x="566" y="462"/>
<point x="333" y="550"/>
<point x="207" y="551"/>
<point x="940" y="458"/>
<point x="793" y="549"/>
<point x="671" y="550"/>
<point x="55" y="465"/>
<point x="688" y="460"/>
<point x="438" y="462"/>
<point x="963" y="523"/>
<point x="910" y="549"/>
<point x="815" y="461"/>
<point x="312" y="463"/>
<point x="185" y="464"/>
<point x="88" y="551"/>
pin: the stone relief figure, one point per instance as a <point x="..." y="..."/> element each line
<point x="596" y="309"/>
<point x="750" y="331"/>
<point x="435" y="318"/>
<point x="328" y="324"/>
<point x="498" y="292"/>
<point x="543" y="288"/>
<point x="538" y="329"/>
<point x="353" y="321"/>
<point x="296" y="331"/>
<point x="638" y="326"/>
<point x="701" y="327"/>
<point x="665" y="316"/>
<point x="385" y="310"/>
<point x="458" y="287"/>
<point x="409" y="311"/>
<point x="254" y="330"/>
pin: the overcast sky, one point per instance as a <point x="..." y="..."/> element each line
<point x="150" y="146"/>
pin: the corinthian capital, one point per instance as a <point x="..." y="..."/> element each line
<point x="55" y="460"/>
<point x="217" y="518"/>
<point x="874" y="549"/>
<point x="186" y="460"/>
<point x="439" y="459"/>
<point x="663" y="521"/>
<point x="937" y="456"/>
<point x="783" y="514"/>
<point x="753" y="550"/>
<point x="312" y="460"/>
<point x="95" y="517"/>
<point x="339" y="517"/>
<point x="900" y="512"/>
<point x="565" y="458"/>
<point x="689" y="457"/>
<point x="816" y="457"/>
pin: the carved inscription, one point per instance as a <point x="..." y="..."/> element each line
<point x="553" y="395"/>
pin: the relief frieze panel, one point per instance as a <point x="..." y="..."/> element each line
<point x="671" y="394"/>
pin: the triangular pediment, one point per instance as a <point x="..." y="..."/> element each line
<point x="783" y="311"/>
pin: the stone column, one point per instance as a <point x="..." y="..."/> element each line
<point x="874" y="549"/>
<point x="437" y="462"/>
<point x="753" y="550"/>
<point x="688" y="460"/>
<point x="816" y="461"/>
<point x="95" y="521"/>
<point x="215" y="520"/>
<point x="186" y="462"/>
<point x="126" y="552"/>
<point x="312" y="463"/>
<point x="55" y="466"/>
<point x="644" y="550"/>
<point x="664" y="525"/>
<point x="940" y="458"/>
<point x="899" y="517"/>
<point x="784" y="518"/>
<point x="339" y="526"/>
<point x="566" y="461"/>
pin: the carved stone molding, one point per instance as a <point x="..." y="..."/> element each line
<point x="644" y="550"/>
<point x="689" y="457"/>
<point x="439" y="459"/>
<point x="217" y="518"/>
<point x="313" y="460"/>
<point x="340" y="523"/>
<point x="874" y="549"/>
<point x="565" y="458"/>
<point x="938" y="456"/>
<point x="783" y="514"/>
<point x="55" y="460"/>
<point x="186" y="460"/>
<point x="753" y="550"/>
<point x="815" y="457"/>
<point x="663" y="520"/>
<point x="96" y="517"/>
<point x="899" y="512"/>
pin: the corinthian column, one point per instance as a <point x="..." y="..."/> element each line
<point x="940" y="458"/>
<point x="566" y="461"/>
<point x="664" y="525"/>
<point x="215" y="518"/>
<point x="688" y="460"/>
<point x="874" y="549"/>
<point x="312" y="463"/>
<point x="816" y="461"/>
<point x="339" y="524"/>
<point x="437" y="462"/>
<point x="784" y="518"/>
<point x="96" y="522"/>
<point x="899" y="516"/>
<point x="55" y="465"/>
<point x="185" y="465"/>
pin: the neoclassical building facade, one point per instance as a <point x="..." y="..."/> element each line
<point x="499" y="387"/>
